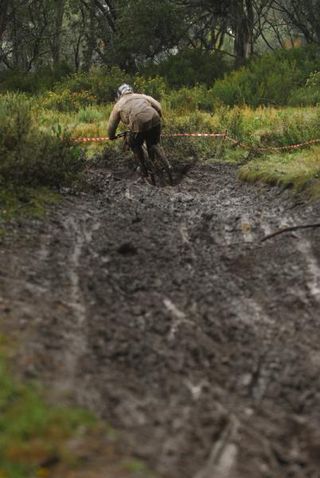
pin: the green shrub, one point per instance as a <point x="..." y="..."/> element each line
<point x="232" y="121"/>
<point x="234" y="89"/>
<point x="156" y="87"/>
<point x="192" y="99"/>
<point x="65" y="100"/>
<point x="305" y="97"/>
<point x="30" y="157"/>
<point x="309" y="94"/>
<point x="191" y="148"/>
<point x="185" y="99"/>
<point x="299" y="170"/>
<point x="32" y="432"/>
<point x="190" y="67"/>
<point x="89" y="115"/>
<point x="100" y="83"/>
<point x="269" y="79"/>
<point x="297" y="128"/>
<point x="32" y="82"/>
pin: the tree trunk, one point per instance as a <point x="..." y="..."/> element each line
<point x="56" y="40"/>
<point x="243" y="30"/>
<point x="90" y="40"/>
<point x="4" y="4"/>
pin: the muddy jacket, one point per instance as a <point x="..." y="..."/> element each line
<point x="138" y="112"/>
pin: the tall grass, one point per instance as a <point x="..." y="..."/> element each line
<point x="299" y="170"/>
<point x="35" y="158"/>
<point x="30" y="156"/>
<point x="31" y="433"/>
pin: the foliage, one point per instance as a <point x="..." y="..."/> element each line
<point x="41" y="439"/>
<point x="90" y="114"/>
<point x="18" y="201"/>
<point x="66" y="100"/>
<point x="188" y="39"/>
<point x="305" y="97"/>
<point x="100" y="83"/>
<point x="31" y="433"/>
<point x="156" y="87"/>
<point x="314" y="80"/>
<point x="232" y="121"/>
<point x="309" y="94"/>
<point x="145" y="29"/>
<point x="33" y="82"/>
<point x="191" y="67"/>
<point x="269" y="79"/>
<point x="299" y="170"/>
<point x="191" y="99"/>
<point x="30" y="156"/>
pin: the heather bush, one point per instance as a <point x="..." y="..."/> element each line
<point x="156" y="87"/>
<point x="100" y="83"/>
<point x="269" y="79"/>
<point x="30" y="156"/>
<point x="192" y="99"/>
<point x="309" y="94"/>
<point x="66" y="100"/>
<point x="190" y="67"/>
<point x="34" y="82"/>
<point x="90" y="114"/>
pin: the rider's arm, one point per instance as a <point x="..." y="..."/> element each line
<point x="155" y="104"/>
<point x="114" y="120"/>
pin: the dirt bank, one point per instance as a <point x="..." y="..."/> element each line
<point x="161" y="310"/>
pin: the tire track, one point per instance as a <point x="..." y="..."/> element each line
<point x="174" y="323"/>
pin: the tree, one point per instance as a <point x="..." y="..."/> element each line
<point x="58" y="10"/>
<point x="4" y="5"/>
<point x="146" y="30"/>
<point x="302" y="16"/>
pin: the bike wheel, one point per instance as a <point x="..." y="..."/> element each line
<point x="161" y="166"/>
<point x="147" y="167"/>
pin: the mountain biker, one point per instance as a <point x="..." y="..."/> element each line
<point x="142" y="115"/>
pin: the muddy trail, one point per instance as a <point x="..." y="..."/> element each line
<point x="161" y="310"/>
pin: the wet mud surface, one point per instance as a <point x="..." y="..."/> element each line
<point x="161" y="310"/>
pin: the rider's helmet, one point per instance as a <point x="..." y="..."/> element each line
<point x="123" y="89"/>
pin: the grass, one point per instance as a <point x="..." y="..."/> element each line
<point x="37" y="158"/>
<point x="32" y="434"/>
<point x="23" y="201"/>
<point x="137" y="469"/>
<point x="40" y="440"/>
<point x="299" y="170"/>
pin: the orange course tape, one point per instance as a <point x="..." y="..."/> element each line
<point x="198" y="135"/>
<point x="172" y="135"/>
<point x="211" y="135"/>
<point x="91" y="140"/>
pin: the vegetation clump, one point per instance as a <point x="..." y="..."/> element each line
<point x="29" y="155"/>
<point x="32" y="158"/>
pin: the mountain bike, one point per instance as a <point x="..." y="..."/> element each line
<point x="156" y="170"/>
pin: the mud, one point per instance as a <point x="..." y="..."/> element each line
<point x="161" y="310"/>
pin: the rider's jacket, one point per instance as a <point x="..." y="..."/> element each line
<point x="139" y="112"/>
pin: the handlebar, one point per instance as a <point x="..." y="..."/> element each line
<point x="121" y="135"/>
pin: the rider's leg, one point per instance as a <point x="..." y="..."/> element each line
<point x="135" y="142"/>
<point x="153" y="139"/>
<point x="153" y="144"/>
<point x="140" y="159"/>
